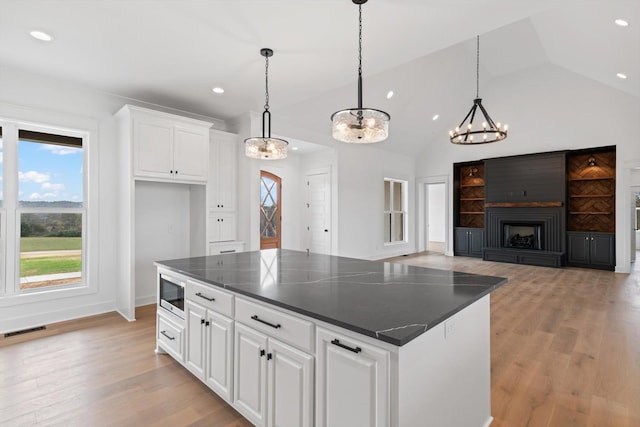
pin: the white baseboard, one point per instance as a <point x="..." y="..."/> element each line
<point x="146" y="300"/>
<point x="488" y="422"/>
<point x="47" y="318"/>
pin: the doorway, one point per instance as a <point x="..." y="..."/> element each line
<point x="270" y="211"/>
<point x="436" y="213"/>
<point x="319" y="213"/>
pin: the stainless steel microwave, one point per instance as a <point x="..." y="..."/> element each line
<point x="172" y="295"/>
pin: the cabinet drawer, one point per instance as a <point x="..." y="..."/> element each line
<point x="285" y="327"/>
<point x="170" y="337"/>
<point x="210" y="297"/>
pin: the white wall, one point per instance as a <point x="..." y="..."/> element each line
<point x="162" y="231"/>
<point x="56" y="102"/>
<point x="436" y="212"/>
<point x="549" y="108"/>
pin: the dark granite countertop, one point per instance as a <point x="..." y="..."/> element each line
<point x="391" y="302"/>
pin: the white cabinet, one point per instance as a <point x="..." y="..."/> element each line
<point x="170" y="336"/>
<point x="290" y="386"/>
<point x="222" y="181"/>
<point x="209" y="354"/>
<point x="221" y="187"/>
<point x="250" y="374"/>
<point x="351" y="382"/>
<point x="167" y="147"/>
<point x="219" y="248"/>
<point x="273" y="381"/>
<point x="222" y="226"/>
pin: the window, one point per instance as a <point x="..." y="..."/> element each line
<point x="50" y="211"/>
<point x="395" y="210"/>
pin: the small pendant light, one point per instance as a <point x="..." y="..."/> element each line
<point x="266" y="147"/>
<point x="360" y="125"/>
<point x="466" y="134"/>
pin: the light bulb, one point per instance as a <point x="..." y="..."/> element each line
<point x="506" y="127"/>
<point x="457" y="129"/>
<point x="484" y="125"/>
<point x="450" y="134"/>
<point x="484" y="137"/>
<point x="471" y="138"/>
<point x="469" y="126"/>
<point x="498" y="125"/>
<point x="371" y="122"/>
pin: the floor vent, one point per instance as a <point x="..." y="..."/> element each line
<point x="25" y="331"/>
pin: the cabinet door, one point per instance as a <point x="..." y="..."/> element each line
<point x="226" y="172"/>
<point x="152" y="147"/>
<point x="290" y="394"/>
<point x="219" y="354"/>
<point x="250" y="374"/>
<point x="476" y="239"/>
<point x="196" y="319"/>
<point x="578" y="248"/>
<point x="601" y="249"/>
<point x="190" y="152"/>
<point x="352" y="386"/>
<point x="461" y="241"/>
<point x="227" y="227"/>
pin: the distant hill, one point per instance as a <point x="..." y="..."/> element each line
<point x="51" y="205"/>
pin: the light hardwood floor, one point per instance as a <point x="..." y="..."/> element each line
<point x="565" y="351"/>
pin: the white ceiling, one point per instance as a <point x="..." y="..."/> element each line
<point x="172" y="53"/>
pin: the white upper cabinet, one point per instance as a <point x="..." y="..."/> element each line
<point x="223" y="167"/>
<point x="167" y="147"/>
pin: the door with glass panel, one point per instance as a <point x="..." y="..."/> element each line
<point x="270" y="210"/>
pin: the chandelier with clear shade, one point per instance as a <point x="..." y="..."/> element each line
<point x="485" y="130"/>
<point x="360" y="125"/>
<point x="266" y="147"/>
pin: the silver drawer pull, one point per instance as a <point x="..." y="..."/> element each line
<point x="205" y="297"/>
<point x="168" y="336"/>
<point x="275" y="326"/>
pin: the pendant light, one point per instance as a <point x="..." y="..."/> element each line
<point x="360" y="125"/>
<point x="266" y="147"/>
<point x="488" y="131"/>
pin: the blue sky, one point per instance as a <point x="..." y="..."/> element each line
<point x="49" y="172"/>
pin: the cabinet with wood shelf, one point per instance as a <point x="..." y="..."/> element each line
<point x="591" y="187"/>
<point x="469" y="179"/>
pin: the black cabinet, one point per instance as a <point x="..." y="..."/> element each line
<point x="594" y="250"/>
<point x="468" y="241"/>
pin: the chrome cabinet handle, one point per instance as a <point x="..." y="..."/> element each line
<point x="168" y="336"/>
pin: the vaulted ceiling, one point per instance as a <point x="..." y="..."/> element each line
<point x="172" y="53"/>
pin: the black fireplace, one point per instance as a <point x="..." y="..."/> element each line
<point x="522" y="235"/>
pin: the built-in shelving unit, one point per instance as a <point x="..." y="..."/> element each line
<point x="470" y="198"/>
<point x="591" y="183"/>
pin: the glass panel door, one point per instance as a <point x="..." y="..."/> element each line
<point x="270" y="215"/>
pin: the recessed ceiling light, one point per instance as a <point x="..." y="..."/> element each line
<point x="621" y="76"/>
<point x="41" y="35"/>
<point x="621" y="22"/>
<point x="390" y="94"/>
<point x="434" y="118"/>
<point x="295" y="148"/>
<point x="217" y="90"/>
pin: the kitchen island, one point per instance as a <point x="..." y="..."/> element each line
<point x="296" y="339"/>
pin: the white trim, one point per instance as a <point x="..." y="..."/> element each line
<point x="146" y="300"/>
<point x="421" y="217"/>
<point x="624" y="221"/>
<point x="488" y="422"/>
<point x="49" y="317"/>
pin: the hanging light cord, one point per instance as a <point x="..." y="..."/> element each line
<point x="360" y="40"/>
<point x="478" y="66"/>
<point x="266" y="83"/>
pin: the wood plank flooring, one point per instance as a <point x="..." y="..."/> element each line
<point x="565" y="351"/>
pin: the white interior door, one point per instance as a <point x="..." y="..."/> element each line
<point x="436" y="211"/>
<point x="319" y="213"/>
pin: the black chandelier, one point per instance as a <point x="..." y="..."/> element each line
<point x="360" y="125"/>
<point x="489" y="131"/>
<point x="266" y="147"/>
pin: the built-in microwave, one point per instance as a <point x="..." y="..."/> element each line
<point x="172" y="295"/>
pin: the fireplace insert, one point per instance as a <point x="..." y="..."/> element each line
<point x="522" y="235"/>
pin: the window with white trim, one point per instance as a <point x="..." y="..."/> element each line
<point x="395" y="210"/>
<point x="43" y="210"/>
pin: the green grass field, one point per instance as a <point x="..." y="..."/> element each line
<point x="33" y="244"/>
<point x="49" y="265"/>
